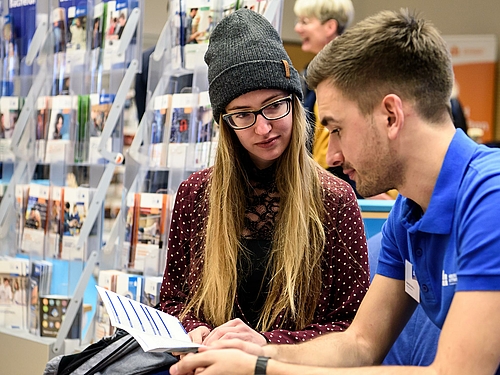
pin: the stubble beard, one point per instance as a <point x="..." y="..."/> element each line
<point x="382" y="173"/>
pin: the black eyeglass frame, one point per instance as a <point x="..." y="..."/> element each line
<point x="286" y="99"/>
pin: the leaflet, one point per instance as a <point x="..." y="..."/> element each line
<point x="153" y="329"/>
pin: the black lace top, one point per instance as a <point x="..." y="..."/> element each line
<point x="260" y="217"/>
<point x="262" y="204"/>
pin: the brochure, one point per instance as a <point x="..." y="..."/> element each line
<point x="42" y="122"/>
<point x="9" y="112"/>
<point x="61" y="133"/>
<point x="179" y="137"/>
<point x="153" y="329"/>
<point x="35" y="220"/>
<point x="100" y="106"/>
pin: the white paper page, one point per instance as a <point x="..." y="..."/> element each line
<point x="154" y="330"/>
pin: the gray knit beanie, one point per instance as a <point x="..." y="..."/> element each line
<point x="246" y="54"/>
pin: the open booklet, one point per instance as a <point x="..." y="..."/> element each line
<point x="154" y="330"/>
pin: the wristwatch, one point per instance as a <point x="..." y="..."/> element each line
<point x="261" y="365"/>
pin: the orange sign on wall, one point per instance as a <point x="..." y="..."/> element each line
<point x="474" y="60"/>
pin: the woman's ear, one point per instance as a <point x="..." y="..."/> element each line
<point x="331" y="28"/>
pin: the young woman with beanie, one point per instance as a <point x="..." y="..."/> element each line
<point x="264" y="246"/>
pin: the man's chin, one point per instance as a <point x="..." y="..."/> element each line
<point x="368" y="192"/>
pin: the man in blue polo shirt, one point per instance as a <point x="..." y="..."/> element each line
<point x="383" y="91"/>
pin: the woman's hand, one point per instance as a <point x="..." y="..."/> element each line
<point x="235" y="329"/>
<point x="197" y="336"/>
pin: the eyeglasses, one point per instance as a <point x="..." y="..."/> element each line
<point x="304" y="21"/>
<point x="272" y="111"/>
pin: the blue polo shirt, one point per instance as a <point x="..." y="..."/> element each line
<point x="455" y="245"/>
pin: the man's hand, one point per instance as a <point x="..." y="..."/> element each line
<point x="235" y="329"/>
<point x="247" y="347"/>
<point x="216" y="362"/>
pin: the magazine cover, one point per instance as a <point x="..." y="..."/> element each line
<point x="59" y="33"/>
<point x="59" y="29"/>
<point x="158" y="146"/>
<point x="107" y="279"/>
<point x="199" y="22"/>
<point x="14" y="289"/>
<point x="42" y="122"/>
<point x="10" y="57"/>
<point x="77" y="30"/>
<point x="35" y="224"/>
<point x="75" y="208"/>
<point x="151" y="294"/>
<point x="122" y="283"/>
<point x="9" y="113"/>
<point x="179" y="134"/>
<point x="56" y="222"/>
<point x="117" y="13"/>
<point x="129" y="285"/>
<point x="258" y="6"/>
<point x="23" y="24"/>
<point x="76" y="12"/>
<point x="61" y="132"/>
<point x="131" y="229"/>
<point x="204" y="123"/>
<point x="14" y="292"/>
<point x="100" y="106"/>
<point x="39" y="284"/>
<point x="198" y="25"/>
<point x="153" y="210"/>
<point x="96" y="36"/>
<point x="52" y="311"/>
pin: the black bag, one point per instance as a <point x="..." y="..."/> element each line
<point x="114" y="355"/>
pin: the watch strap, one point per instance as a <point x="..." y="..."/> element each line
<point x="261" y="365"/>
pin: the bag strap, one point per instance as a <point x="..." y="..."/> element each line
<point x="101" y="359"/>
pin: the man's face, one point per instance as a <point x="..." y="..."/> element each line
<point x="357" y="142"/>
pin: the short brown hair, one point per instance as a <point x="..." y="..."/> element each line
<point x="389" y="53"/>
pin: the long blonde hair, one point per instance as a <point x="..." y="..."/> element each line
<point x="298" y="240"/>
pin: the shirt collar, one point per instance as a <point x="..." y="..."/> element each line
<point x="439" y="216"/>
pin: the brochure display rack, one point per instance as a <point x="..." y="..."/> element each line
<point x="175" y="137"/>
<point x="67" y="67"/>
<point x="64" y="89"/>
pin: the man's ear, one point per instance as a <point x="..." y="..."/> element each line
<point x="393" y="109"/>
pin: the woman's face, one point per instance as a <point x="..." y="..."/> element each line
<point x="314" y="34"/>
<point x="59" y="124"/>
<point x="266" y="140"/>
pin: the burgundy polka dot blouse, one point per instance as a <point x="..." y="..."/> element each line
<point x="345" y="259"/>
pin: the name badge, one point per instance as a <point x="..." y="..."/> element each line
<point x="411" y="283"/>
